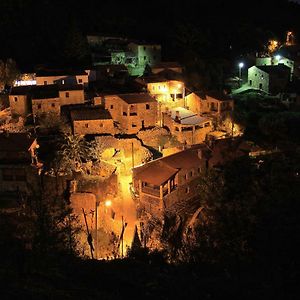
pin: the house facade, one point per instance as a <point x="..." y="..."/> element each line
<point x="132" y="112"/>
<point x="45" y="99"/>
<point x="210" y="104"/>
<point x="71" y="94"/>
<point x="19" y="165"/>
<point x="92" y="120"/>
<point x="164" y="183"/>
<point x="270" y="79"/>
<point x="20" y="101"/>
<point x="188" y="127"/>
<point x="46" y="77"/>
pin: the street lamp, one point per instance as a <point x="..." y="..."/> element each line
<point x="241" y="65"/>
<point x="108" y="203"/>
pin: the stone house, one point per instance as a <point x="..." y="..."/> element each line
<point x="167" y="87"/>
<point x="270" y="79"/>
<point x="147" y="54"/>
<point x="92" y="120"/>
<point x="19" y="166"/>
<point x="188" y="127"/>
<point x="132" y="112"/>
<point x="164" y="183"/>
<point x="71" y="77"/>
<point x="211" y="103"/>
<point x="167" y="184"/>
<point x="274" y="61"/>
<point x="37" y="99"/>
<point x="162" y="66"/>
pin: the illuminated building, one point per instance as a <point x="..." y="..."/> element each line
<point x="132" y="111"/>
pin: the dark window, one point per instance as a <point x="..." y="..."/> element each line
<point x="199" y="170"/>
<point x="39" y="106"/>
<point x="101" y="125"/>
<point x="187" y="190"/>
<point x="144" y="48"/>
<point x="260" y="86"/>
<point x="250" y="82"/>
<point x="124" y="113"/>
<point x="191" y="174"/>
<point x="16" y="99"/>
<point x="145" y="57"/>
<point x="185" y="176"/>
<point x="86" y="125"/>
<point x="20" y="175"/>
<point x="53" y="104"/>
<point x="45" y="82"/>
<point x="80" y="80"/>
<point x="67" y="94"/>
<point x="111" y="107"/>
<point x="133" y="125"/>
<point x="147" y="106"/>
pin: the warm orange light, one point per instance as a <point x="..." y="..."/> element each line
<point x="108" y="203"/>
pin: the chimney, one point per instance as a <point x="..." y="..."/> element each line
<point x="177" y="116"/>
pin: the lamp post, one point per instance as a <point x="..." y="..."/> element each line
<point x="241" y="65"/>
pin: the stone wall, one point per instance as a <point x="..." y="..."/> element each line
<point x="93" y="126"/>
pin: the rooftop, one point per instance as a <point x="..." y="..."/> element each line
<point x="187" y="117"/>
<point x="70" y="87"/>
<point x="21" y="90"/>
<point x="58" y="72"/>
<point x="158" y="171"/>
<point x="44" y="91"/>
<point x="275" y="69"/>
<point x="135" y="98"/>
<point x="90" y="113"/>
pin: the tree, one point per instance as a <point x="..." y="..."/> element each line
<point x="72" y="153"/>
<point x="8" y="72"/>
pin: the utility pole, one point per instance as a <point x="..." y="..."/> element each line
<point x="89" y="236"/>
<point x="132" y="155"/>
<point x="122" y="237"/>
<point x="96" y="227"/>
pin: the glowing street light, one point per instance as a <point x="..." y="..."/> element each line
<point x="278" y="57"/>
<point x="108" y="203"/>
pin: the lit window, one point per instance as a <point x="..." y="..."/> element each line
<point x="67" y="94"/>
